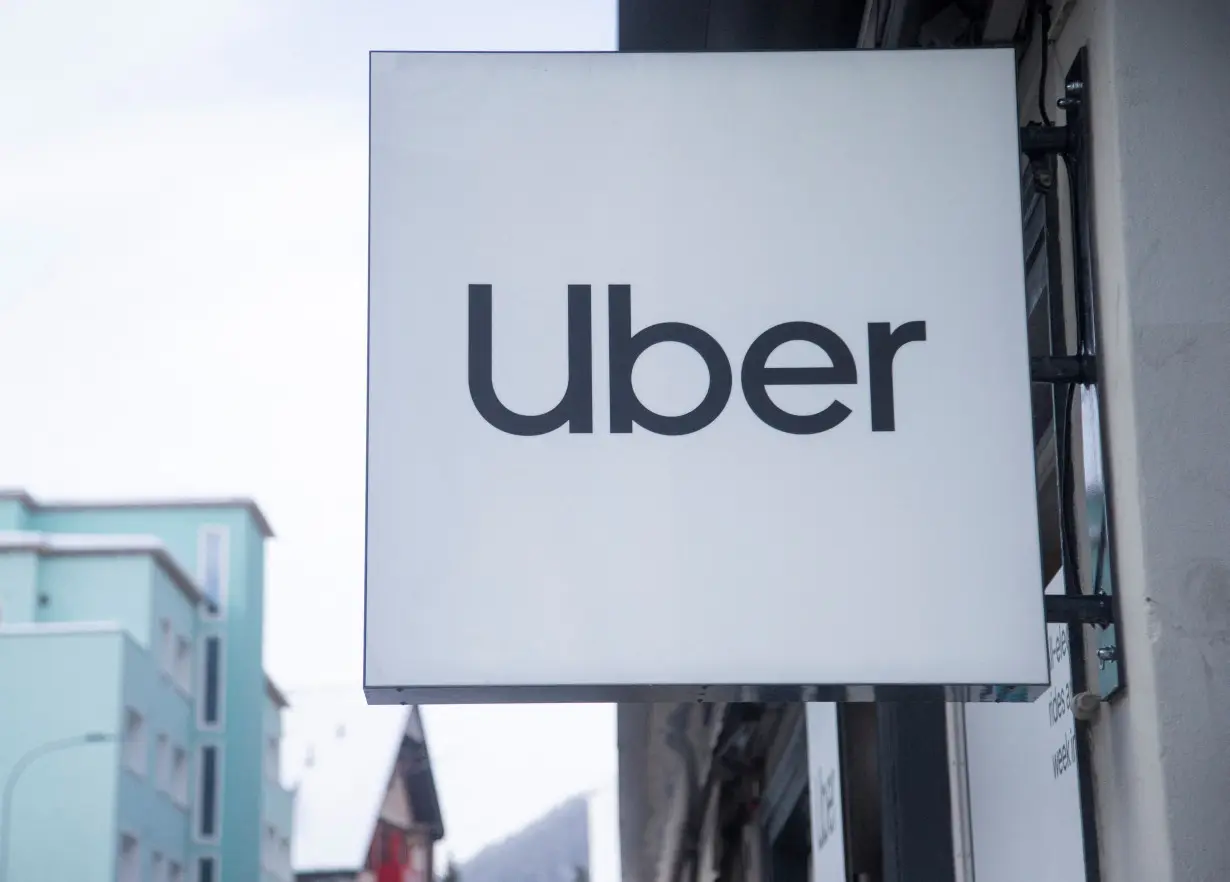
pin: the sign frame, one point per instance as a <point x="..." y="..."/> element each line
<point x="393" y="674"/>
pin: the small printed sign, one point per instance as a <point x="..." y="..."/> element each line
<point x="828" y="837"/>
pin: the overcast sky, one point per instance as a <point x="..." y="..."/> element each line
<point x="182" y="305"/>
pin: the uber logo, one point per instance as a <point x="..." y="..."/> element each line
<point x="576" y="410"/>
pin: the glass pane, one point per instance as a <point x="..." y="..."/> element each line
<point x="211" y="680"/>
<point x="209" y="790"/>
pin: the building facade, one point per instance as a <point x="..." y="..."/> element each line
<point x="1125" y="232"/>
<point x="140" y="730"/>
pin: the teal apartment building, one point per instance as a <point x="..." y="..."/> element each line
<point x="139" y="735"/>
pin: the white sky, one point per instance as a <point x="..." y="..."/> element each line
<point x="182" y="306"/>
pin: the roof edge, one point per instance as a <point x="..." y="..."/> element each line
<point x="106" y="544"/>
<point x="54" y="629"/>
<point x="415" y="721"/>
<point x="243" y="502"/>
<point x="20" y="495"/>
<point x="277" y="695"/>
<point x="391" y="769"/>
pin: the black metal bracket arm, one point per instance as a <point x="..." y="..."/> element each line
<point x="1039" y="141"/>
<point x="1084" y="609"/>
<point x="1040" y="145"/>
<point x="1082" y="369"/>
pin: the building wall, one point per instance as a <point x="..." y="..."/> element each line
<point x="173" y="617"/>
<point x="277" y="803"/>
<point x="664" y="750"/>
<point x="245" y="699"/>
<point x="99" y="588"/>
<point x="125" y="597"/>
<point x="1158" y="83"/>
<point x="147" y="808"/>
<point x="62" y="684"/>
<point x="241" y="627"/>
<point x="18" y="586"/>
<point x="12" y="513"/>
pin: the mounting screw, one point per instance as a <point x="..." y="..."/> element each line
<point x="1073" y="90"/>
<point x="1085" y="706"/>
<point x="1107" y="654"/>
<point x="1073" y="98"/>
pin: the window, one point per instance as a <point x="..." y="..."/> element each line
<point x="157" y="868"/>
<point x="207" y="806"/>
<point x="134" y="742"/>
<point x="165" y="653"/>
<point x="175" y="873"/>
<point x="212" y="558"/>
<point x="183" y="664"/>
<point x="128" y="867"/>
<point x="205" y="870"/>
<point x="211" y="700"/>
<point x="179" y="777"/>
<point x="162" y="763"/>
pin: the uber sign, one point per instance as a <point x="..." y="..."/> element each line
<point x="575" y="409"/>
<point x="688" y="376"/>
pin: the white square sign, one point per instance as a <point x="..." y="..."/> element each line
<point x="697" y="374"/>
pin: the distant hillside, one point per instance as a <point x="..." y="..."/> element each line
<point x="552" y="849"/>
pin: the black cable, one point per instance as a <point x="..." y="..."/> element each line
<point x="1044" y="27"/>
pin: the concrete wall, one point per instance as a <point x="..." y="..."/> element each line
<point x="62" y="686"/>
<point x="1160" y="74"/>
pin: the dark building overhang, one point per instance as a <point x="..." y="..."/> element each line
<point x="783" y="25"/>
<point x="737" y="25"/>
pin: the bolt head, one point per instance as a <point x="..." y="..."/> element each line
<point x="1085" y="706"/>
